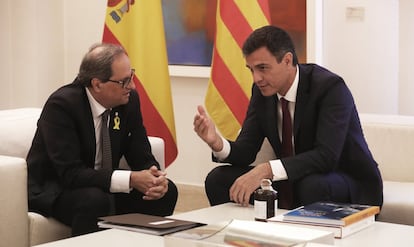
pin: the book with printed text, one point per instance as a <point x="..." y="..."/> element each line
<point x="331" y="213"/>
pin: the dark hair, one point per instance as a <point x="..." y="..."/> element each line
<point x="97" y="62"/>
<point x="275" y="39"/>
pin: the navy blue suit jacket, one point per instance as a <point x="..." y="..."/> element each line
<point x="62" y="155"/>
<point x="327" y="134"/>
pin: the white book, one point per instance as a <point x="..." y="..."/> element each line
<point x="338" y="231"/>
<point x="240" y="233"/>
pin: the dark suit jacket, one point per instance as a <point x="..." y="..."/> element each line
<point x="327" y="134"/>
<point x="62" y="155"/>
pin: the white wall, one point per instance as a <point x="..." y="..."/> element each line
<point x="42" y="43"/>
<point x="83" y="26"/>
<point x="6" y="51"/>
<point x="194" y="158"/>
<point x="364" y="51"/>
<point x="32" y="42"/>
<point x="406" y="54"/>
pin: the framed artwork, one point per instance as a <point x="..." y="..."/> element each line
<point x="190" y="28"/>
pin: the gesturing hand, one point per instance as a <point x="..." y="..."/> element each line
<point x="206" y="130"/>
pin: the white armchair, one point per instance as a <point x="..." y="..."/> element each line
<point x="19" y="227"/>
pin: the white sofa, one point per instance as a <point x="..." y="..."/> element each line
<point x="391" y="141"/>
<point x="20" y="228"/>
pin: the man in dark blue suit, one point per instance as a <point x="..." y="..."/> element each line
<point x="68" y="178"/>
<point x="328" y="160"/>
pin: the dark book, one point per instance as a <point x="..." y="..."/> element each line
<point x="150" y="224"/>
<point x="331" y="213"/>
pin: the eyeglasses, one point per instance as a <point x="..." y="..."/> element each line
<point x="125" y="82"/>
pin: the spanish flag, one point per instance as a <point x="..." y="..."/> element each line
<point x="138" y="27"/>
<point x="229" y="87"/>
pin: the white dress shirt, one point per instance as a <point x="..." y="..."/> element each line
<point x="120" y="178"/>
<point x="278" y="170"/>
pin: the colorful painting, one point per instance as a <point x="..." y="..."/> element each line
<point x="190" y="27"/>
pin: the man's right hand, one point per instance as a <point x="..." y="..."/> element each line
<point x="152" y="183"/>
<point x="206" y="130"/>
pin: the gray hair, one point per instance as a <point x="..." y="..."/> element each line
<point x="97" y="62"/>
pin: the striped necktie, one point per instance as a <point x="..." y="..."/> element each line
<point x="106" y="142"/>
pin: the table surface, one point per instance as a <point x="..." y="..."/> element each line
<point x="379" y="234"/>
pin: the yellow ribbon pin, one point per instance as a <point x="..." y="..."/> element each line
<point x="117" y="121"/>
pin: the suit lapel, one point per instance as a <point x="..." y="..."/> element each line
<point x="302" y="97"/>
<point x="271" y="117"/>
<point x="89" y="131"/>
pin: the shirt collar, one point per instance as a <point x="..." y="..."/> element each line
<point x="291" y="93"/>
<point x="97" y="109"/>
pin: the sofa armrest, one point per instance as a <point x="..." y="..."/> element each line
<point x="17" y="128"/>
<point x="14" y="230"/>
<point x="158" y="150"/>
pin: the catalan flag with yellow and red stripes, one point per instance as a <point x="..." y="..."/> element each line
<point x="229" y="87"/>
<point x="138" y="27"/>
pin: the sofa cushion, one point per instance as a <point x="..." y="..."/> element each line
<point x="44" y="229"/>
<point x="17" y="128"/>
<point x="390" y="139"/>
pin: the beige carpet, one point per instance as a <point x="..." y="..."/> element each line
<point x="190" y="197"/>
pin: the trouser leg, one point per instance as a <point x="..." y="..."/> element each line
<point x="219" y="180"/>
<point x="81" y="208"/>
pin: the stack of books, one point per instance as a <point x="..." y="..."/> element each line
<point x="343" y="219"/>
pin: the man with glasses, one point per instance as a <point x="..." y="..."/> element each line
<point x="70" y="175"/>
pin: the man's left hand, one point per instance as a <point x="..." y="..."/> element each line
<point x="245" y="185"/>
